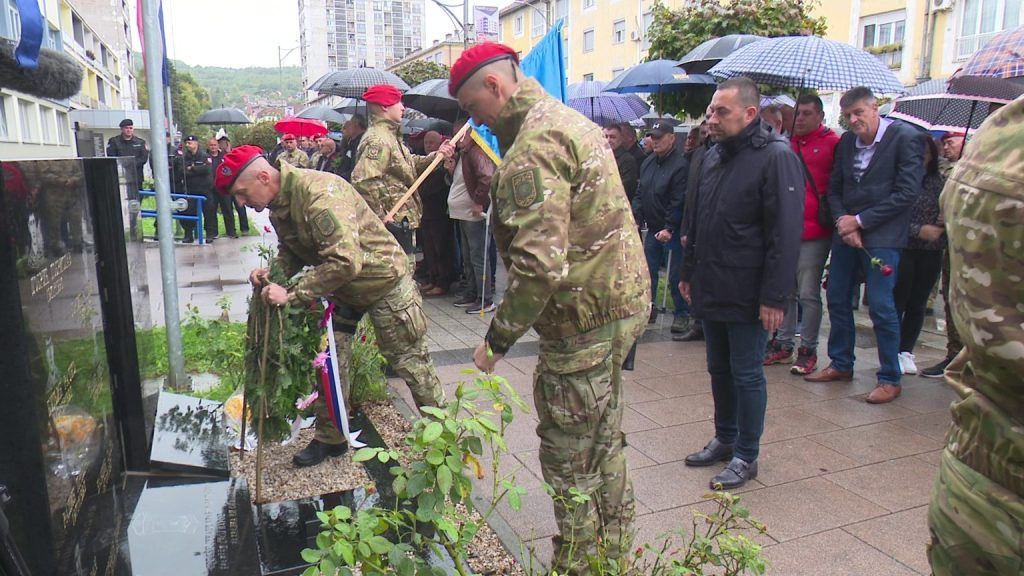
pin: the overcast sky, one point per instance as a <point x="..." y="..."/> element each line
<point x="239" y="33"/>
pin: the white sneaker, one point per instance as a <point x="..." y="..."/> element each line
<point x="907" y="365"/>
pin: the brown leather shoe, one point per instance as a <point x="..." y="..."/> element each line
<point x="884" y="393"/>
<point x="829" y="374"/>
<point x="435" y="291"/>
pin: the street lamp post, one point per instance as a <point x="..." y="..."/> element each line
<point x="280" y="59"/>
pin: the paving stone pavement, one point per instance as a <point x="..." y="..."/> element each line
<point x="843" y="485"/>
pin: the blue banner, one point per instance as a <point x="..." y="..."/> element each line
<point x="32" y="28"/>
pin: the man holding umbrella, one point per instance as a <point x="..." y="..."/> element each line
<point x="577" y="276"/>
<point x="385" y="169"/>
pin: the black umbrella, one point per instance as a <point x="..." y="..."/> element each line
<point x="417" y="125"/>
<point x="711" y="52"/>
<point x="353" y="82"/>
<point x="222" y="116"/>
<point x="432" y="98"/>
<point x="325" y="114"/>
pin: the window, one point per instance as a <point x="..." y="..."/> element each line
<point x="619" y="32"/>
<point x="46" y="131"/>
<point x="588" y="4"/>
<point x="62" y="129"/>
<point x="538" y="24"/>
<point x="588" y="40"/>
<point x="27" y="116"/>
<point x="882" y="35"/>
<point x="588" y="77"/>
<point x="101" y="91"/>
<point x="562" y="11"/>
<point x="14" y="18"/>
<point x="648" y="20"/>
<point x="983" y="19"/>
<point x="616" y="72"/>
<point x="79" y="30"/>
<point x="5" y="132"/>
<point x="517" y="25"/>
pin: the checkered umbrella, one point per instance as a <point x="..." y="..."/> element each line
<point x="964" y="105"/>
<point x="1001" y="57"/>
<point x="808" y="62"/>
<point x="353" y="82"/>
<point x="603" y="108"/>
<point x="707" y="54"/>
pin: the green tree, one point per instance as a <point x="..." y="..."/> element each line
<point x="420" y="71"/>
<point x="673" y="33"/>
<point x="261" y="134"/>
<point x="188" y="101"/>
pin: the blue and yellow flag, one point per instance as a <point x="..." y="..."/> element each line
<point x="546" y="64"/>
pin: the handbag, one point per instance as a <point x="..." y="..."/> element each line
<point x="824" y="212"/>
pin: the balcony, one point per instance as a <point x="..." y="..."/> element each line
<point x="966" y="46"/>
<point x="889" y="54"/>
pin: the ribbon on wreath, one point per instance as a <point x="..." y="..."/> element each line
<point x="330" y="382"/>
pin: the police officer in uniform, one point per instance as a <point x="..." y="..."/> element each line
<point x="976" y="515"/>
<point x="385" y="169"/>
<point x="321" y="221"/>
<point x="577" y="275"/>
<point x="130" y="145"/>
<point x="197" y="182"/>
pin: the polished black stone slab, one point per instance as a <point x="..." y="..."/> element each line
<point x="189" y="436"/>
<point x="190" y="527"/>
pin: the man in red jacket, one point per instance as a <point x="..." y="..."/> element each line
<point x="815" y="144"/>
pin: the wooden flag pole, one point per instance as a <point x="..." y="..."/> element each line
<point x="423" y="176"/>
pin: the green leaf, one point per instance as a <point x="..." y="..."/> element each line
<point x="383" y="456"/>
<point x="310" y="556"/>
<point x="379" y="545"/>
<point x="417" y="482"/>
<point x="343" y="549"/>
<point x="342" y="513"/>
<point x="435" y="457"/>
<point x="474" y="445"/>
<point x="364" y="454"/>
<point x="398" y="485"/>
<point x="432" y="432"/>
<point x="435" y="412"/>
<point x="444" y="479"/>
<point x="324" y="517"/>
<point x="486" y="423"/>
<point x="515" y="501"/>
<point x="311" y="571"/>
<point x="327" y="567"/>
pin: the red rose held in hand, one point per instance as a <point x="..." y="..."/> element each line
<point x="886" y="270"/>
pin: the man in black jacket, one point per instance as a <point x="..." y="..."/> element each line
<point x="352" y="134"/>
<point x="659" y="197"/>
<point x="878" y="170"/>
<point x="629" y="170"/>
<point x="128" y="144"/>
<point x="739" y="268"/>
<point x="197" y="181"/>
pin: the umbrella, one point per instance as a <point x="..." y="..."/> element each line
<point x="928" y="87"/>
<point x="965" y="104"/>
<point x="300" y="126"/>
<point x="707" y="54"/>
<point x="353" y="82"/>
<point x="222" y="116"/>
<point x="605" y="108"/>
<point x="324" y="113"/>
<point x="351" y="106"/>
<point x="657" y="76"/>
<point x="432" y="98"/>
<point x="808" y="62"/>
<point x="417" y="125"/>
<point x="1002" y="57"/>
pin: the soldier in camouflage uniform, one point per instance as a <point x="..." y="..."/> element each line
<point x="385" y="169"/>
<point x="60" y="204"/>
<point x="577" y="275"/>
<point x="976" y="514"/>
<point x="291" y="154"/>
<point x="322" y="222"/>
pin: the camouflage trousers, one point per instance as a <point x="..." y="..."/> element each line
<point x="977" y="525"/>
<point x="578" y="396"/>
<point x="401" y="328"/>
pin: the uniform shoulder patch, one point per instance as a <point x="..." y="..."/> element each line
<point x="324" y="224"/>
<point x="373" y="150"/>
<point x="526" y="186"/>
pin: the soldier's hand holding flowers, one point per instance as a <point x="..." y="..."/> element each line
<point x="275" y="294"/>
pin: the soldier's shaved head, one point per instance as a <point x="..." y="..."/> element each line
<point x="257" y="185"/>
<point x="485" y="93"/>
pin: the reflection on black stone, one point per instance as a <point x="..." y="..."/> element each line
<point x="189" y="435"/>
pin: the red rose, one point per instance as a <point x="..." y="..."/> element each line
<point x="267" y="229"/>
<point x="886" y="270"/>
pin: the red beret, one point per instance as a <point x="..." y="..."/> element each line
<point x="234" y="163"/>
<point x="475" y="58"/>
<point x="288" y="137"/>
<point x="949" y="135"/>
<point x="383" y="94"/>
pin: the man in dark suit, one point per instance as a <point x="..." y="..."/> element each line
<point x="878" y="170"/>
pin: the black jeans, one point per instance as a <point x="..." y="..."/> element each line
<point x="735" y="353"/>
<point x="918" y="272"/>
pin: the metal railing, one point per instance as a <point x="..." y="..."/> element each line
<point x="198" y="218"/>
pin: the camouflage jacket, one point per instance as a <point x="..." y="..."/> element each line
<point x="322" y="222"/>
<point x="562" y="223"/>
<point x="385" y="169"/>
<point x="296" y="158"/>
<point x="983" y="205"/>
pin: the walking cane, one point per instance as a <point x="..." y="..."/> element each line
<point x="668" y="274"/>
<point x="484" y="280"/>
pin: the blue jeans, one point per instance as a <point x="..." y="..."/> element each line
<point x="735" y="352"/>
<point x="842" y="279"/>
<point x="656" y="254"/>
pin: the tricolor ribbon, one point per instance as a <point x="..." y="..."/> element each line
<point x="331" y="382"/>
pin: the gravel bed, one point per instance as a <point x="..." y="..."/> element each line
<point x="282" y="480"/>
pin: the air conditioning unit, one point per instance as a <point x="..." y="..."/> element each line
<point x="940" y="5"/>
<point x="635" y="36"/>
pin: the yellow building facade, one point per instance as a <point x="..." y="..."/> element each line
<point x="920" y="39"/>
